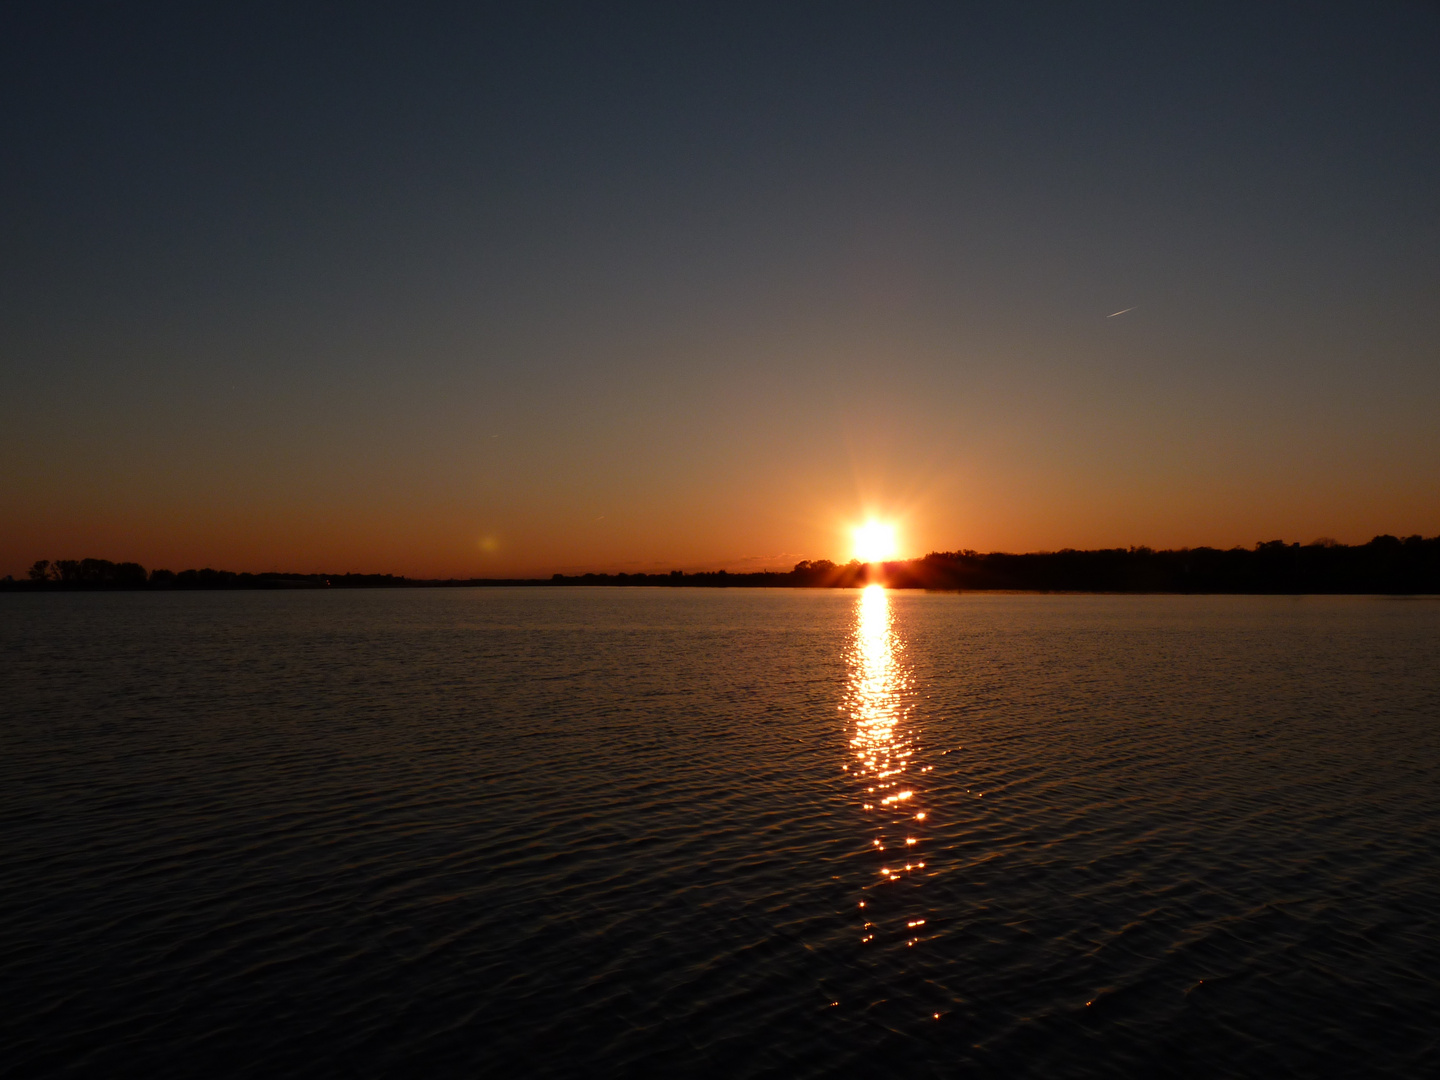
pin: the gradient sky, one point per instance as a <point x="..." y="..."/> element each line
<point x="684" y="286"/>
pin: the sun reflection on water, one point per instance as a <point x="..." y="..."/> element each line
<point x="877" y="700"/>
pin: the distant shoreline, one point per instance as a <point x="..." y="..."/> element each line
<point x="1386" y="565"/>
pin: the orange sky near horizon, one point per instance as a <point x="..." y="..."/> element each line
<point x="513" y="505"/>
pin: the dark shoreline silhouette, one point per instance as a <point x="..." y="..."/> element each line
<point x="1386" y="564"/>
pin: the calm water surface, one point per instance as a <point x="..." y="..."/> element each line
<point x="622" y="832"/>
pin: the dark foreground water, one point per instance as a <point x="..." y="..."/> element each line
<point x="626" y="832"/>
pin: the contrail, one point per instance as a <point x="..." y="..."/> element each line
<point x="1120" y="312"/>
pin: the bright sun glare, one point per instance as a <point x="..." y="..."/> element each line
<point x="874" y="541"/>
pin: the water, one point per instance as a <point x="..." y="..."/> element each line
<point x="626" y="832"/>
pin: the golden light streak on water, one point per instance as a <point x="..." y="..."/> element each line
<point x="882" y="740"/>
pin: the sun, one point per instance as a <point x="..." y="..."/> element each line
<point x="874" y="541"/>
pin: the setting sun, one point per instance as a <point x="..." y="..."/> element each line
<point x="875" y="542"/>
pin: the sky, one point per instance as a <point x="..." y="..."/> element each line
<point x="482" y="291"/>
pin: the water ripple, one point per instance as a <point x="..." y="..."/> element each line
<point x="607" y="832"/>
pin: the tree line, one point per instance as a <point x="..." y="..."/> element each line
<point x="1387" y="564"/>
<point x="104" y="574"/>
